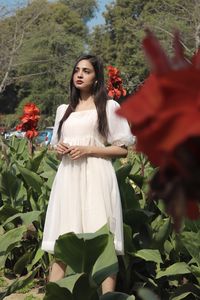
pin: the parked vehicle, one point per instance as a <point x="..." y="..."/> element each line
<point x="16" y="133"/>
<point x="44" y="137"/>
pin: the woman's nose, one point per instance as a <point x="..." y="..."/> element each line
<point x="80" y="74"/>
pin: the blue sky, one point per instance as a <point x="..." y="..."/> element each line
<point x="95" y="21"/>
<point x="99" y="18"/>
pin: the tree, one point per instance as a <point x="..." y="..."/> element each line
<point x="12" y="31"/>
<point x="42" y="67"/>
<point x="85" y="9"/>
<point x="119" y="40"/>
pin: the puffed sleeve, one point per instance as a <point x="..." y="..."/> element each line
<point x="119" y="130"/>
<point x="59" y="114"/>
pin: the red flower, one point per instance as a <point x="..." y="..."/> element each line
<point x="31" y="109"/>
<point x="192" y="210"/>
<point x="114" y="85"/>
<point x="29" y="120"/>
<point x="168" y="101"/>
<point x="165" y="115"/>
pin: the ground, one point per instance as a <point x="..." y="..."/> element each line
<point x="30" y="292"/>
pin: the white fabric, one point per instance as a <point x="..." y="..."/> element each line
<point x="85" y="194"/>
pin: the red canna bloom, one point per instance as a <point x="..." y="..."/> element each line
<point x="31" y="109"/>
<point x="165" y="115"/>
<point x="29" y="120"/>
<point x="114" y="85"/>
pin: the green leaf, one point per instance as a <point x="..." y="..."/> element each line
<point x="80" y="251"/>
<point x="11" y="238"/>
<point x="69" y="281"/>
<point x="187" y="289"/>
<point x="137" y="179"/>
<point x="147" y="294"/>
<point x="83" y="289"/>
<point x="176" y="269"/>
<point x="191" y="242"/>
<point x="106" y="264"/>
<point x="136" y="218"/>
<point x="162" y="234"/>
<point x="34" y="163"/>
<point x="128" y="239"/>
<point x="27" y="218"/>
<point x="149" y="255"/>
<point x="9" y="184"/>
<point x="123" y="172"/>
<point x="21" y="263"/>
<point x="39" y="254"/>
<point x="55" y="292"/>
<point x="128" y="196"/>
<point x="7" y="211"/>
<point x="117" y="296"/>
<point x="32" y="179"/>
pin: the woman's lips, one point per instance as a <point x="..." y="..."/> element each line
<point x="79" y="81"/>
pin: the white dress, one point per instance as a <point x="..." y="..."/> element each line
<point x="85" y="194"/>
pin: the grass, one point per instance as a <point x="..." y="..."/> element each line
<point x="31" y="297"/>
<point x="27" y="288"/>
<point x="3" y="282"/>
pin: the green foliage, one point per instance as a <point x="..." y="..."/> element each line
<point x="157" y="261"/>
<point x="24" y="191"/>
<point x="119" y="40"/>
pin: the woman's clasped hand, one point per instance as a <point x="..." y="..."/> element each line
<point x="74" y="152"/>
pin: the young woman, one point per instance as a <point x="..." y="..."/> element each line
<point x="87" y="134"/>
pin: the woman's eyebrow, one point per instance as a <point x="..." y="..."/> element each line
<point x="84" y="68"/>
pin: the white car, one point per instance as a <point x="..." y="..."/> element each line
<point x="16" y="133"/>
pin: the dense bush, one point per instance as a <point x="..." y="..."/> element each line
<point x="156" y="258"/>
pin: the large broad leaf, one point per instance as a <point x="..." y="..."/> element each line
<point x="128" y="239"/>
<point x="106" y="264"/>
<point x="55" y="292"/>
<point x="19" y="284"/>
<point x="192" y="225"/>
<point x="49" y="176"/>
<point x="83" y="289"/>
<point x="191" y="242"/>
<point x="162" y="234"/>
<point x="69" y="281"/>
<point x="136" y="218"/>
<point x="7" y="211"/>
<point x="27" y="218"/>
<point x="147" y="294"/>
<point x="185" y="290"/>
<point x="36" y="258"/>
<point x="137" y="179"/>
<point x="128" y="196"/>
<point x="117" y="296"/>
<point x="74" y="287"/>
<point x="9" y="184"/>
<point x="22" y="263"/>
<point x="80" y="251"/>
<point x="34" y="163"/>
<point x="176" y="269"/>
<point x="11" y="238"/>
<point x="149" y="255"/>
<point x="123" y="172"/>
<point x="32" y="179"/>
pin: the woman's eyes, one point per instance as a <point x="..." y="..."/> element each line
<point x="85" y="71"/>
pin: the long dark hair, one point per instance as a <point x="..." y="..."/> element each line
<point x="99" y="92"/>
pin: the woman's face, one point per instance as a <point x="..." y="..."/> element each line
<point x="84" y="75"/>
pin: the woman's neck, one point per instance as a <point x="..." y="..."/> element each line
<point x="86" y="97"/>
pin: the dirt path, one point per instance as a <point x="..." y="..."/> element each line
<point x="23" y="296"/>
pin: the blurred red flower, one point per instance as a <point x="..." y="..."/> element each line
<point x="165" y="115"/>
<point x="29" y="120"/>
<point x="114" y="84"/>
